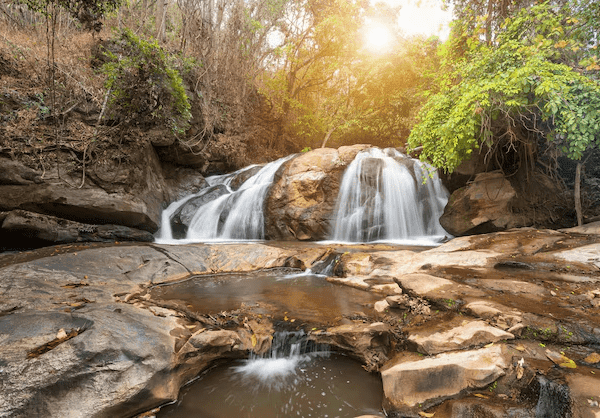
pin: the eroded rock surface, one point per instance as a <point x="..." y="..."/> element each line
<point x="482" y="206"/>
<point x="412" y="383"/>
<point x="302" y="199"/>
<point x="503" y="324"/>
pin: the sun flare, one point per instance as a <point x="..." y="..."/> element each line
<point x="378" y="39"/>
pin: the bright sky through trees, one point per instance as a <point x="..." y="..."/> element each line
<point x="423" y="17"/>
<point x="378" y="38"/>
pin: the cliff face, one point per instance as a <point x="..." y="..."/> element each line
<point x="72" y="171"/>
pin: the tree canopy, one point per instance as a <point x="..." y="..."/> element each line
<point x="535" y="80"/>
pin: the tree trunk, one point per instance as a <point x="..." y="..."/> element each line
<point x="327" y="136"/>
<point x="160" y="20"/>
<point x="578" y="194"/>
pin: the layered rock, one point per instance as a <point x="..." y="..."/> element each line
<point x="111" y="195"/>
<point x="412" y="383"/>
<point x="56" y="230"/>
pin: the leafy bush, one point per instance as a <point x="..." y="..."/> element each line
<point x="145" y="85"/>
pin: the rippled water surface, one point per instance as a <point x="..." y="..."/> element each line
<point x="311" y="385"/>
<point x="300" y="296"/>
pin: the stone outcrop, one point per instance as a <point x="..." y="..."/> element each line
<point x="410" y="383"/>
<point x="56" y="230"/>
<point x="474" y="333"/>
<point x="112" y="195"/>
<point x="301" y="201"/>
<point x="482" y="206"/>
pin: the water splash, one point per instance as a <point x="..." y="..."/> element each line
<point x="279" y="367"/>
<point x="383" y="197"/>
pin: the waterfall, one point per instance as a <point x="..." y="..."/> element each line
<point x="289" y="350"/>
<point x="236" y="214"/>
<point x="384" y="196"/>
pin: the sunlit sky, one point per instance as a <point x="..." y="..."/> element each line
<point x="422" y="17"/>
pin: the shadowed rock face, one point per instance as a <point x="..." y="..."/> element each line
<point x="483" y="206"/>
<point x="112" y="194"/>
<point x="81" y="333"/>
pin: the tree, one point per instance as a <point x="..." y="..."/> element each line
<point x="307" y="88"/>
<point x="537" y="80"/>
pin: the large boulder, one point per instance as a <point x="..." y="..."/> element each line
<point x="302" y="199"/>
<point x="482" y="206"/>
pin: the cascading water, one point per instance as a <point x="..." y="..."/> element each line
<point x="296" y="379"/>
<point x="383" y="197"/>
<point x="236" y="214"/>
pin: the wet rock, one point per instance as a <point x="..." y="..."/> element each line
<point x="183" y="181"/>
<point x="554" y="400"/>
<point x="481" y="207"/>
<point x="411" y="383"/>
<point x="475" y="408"/>
<point x="237" y="181"/>
<point x="182" y="217"/>
<point x="301" y="201"/>
<point x="57" y="230"/>
<point x="471" y="334"/>
<point x="369" y="342"/>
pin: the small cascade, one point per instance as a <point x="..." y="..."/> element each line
<point x="289" y="350"/>
<point x="383" y="196"/>
<point x="296" y="379"/>
<point x="230" y="211"/>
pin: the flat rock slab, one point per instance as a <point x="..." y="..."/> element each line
<point x="423" y="284"/>
<point x="591" y="228"/>
<point x="468" y="335"/>
<point x="411" y="383"/>
<point x="588" y="254"/>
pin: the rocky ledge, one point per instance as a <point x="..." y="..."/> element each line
<point x="504" y="324"/>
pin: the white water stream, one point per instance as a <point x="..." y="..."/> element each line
<point x="384" y="196"/>
<point x="236" y="215"/>
<point x="387" y="196"/>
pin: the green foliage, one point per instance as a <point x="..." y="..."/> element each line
<point x="144" y="83"/>
<point x="530" y="84"/>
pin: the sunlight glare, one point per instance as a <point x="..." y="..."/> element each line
<point x="378" y="39"/>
